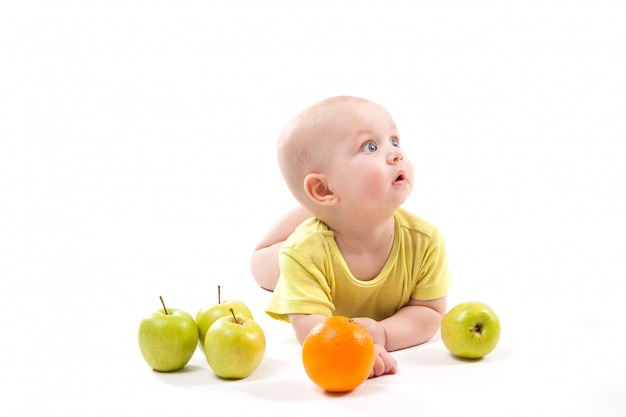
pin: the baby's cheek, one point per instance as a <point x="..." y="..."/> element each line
<point x="374" y="186"/>
<point x="368" y="193"/>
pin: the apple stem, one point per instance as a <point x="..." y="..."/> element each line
<point x="163" y="304"/>
<point x="476" y="330"/>
<point x="234" y="317"/>
<point x="219" y="301"/>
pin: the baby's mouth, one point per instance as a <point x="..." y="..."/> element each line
<point x="400" y="178"/>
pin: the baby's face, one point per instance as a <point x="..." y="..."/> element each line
<point x="368" y="168"/>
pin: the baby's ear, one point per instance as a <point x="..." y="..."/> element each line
<point x="316" y="187"/>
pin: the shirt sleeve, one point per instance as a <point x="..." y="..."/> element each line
<point x="301" y="289"/>
<point x="434" y="278"/>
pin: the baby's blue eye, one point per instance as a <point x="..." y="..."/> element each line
<point x="369" y="147"/>
<point x="395" y="142"/>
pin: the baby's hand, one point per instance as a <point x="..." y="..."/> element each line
<point x="374" y="328"/>
<point x="384" y="363"/>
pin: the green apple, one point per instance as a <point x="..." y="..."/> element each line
<point x="208" y="314"/>
<point x="234" y="346"/>
<point x="167" y="338"/>
<point x="470" y="330"/>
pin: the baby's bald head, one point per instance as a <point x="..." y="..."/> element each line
<point x="302" y="144"/>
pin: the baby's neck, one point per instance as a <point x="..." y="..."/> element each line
<point x="366" y="249"/>
<point x="365" y="237"/>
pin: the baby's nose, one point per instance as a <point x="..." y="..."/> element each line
<point x="395" y="155"/>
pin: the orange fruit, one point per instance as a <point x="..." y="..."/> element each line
<point x="338" y="354"/>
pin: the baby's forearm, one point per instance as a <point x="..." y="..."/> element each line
<point x="410" y="326"/>
<point x="303" y="324"/>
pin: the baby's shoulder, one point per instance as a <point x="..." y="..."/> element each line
<point x="413" y="223"/>
<point x="310" y="233"/>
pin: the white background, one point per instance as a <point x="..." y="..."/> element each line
<point x="137" y="144"/>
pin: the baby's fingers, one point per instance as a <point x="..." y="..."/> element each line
<point x="384" y="363"/>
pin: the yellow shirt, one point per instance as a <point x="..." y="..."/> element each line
<point x="315" y="278"/>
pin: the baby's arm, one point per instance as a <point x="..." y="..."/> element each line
<point x="264" y="259"/>
<point x="412" y="325"/>
<point x="303" y="324"/>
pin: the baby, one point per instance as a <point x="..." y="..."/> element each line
<point x="351" y="250"/>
